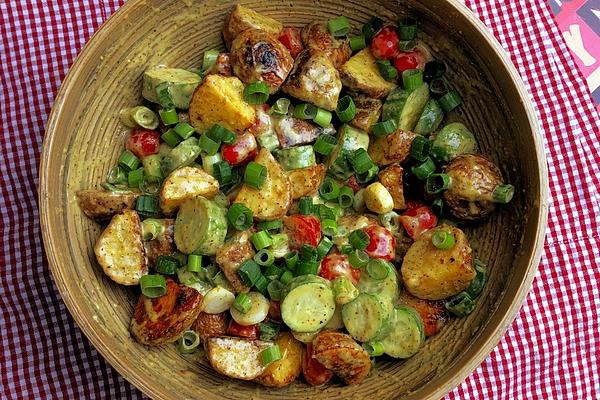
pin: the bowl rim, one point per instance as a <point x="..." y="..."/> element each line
<point x="136" y="376"/>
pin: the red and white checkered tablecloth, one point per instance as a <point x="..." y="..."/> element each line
<point x="550" y="350"/>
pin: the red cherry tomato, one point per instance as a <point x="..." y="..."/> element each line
<point x="275" y="310"/>
<point x="337" y="265"/>
<point x="249" y="331"/>
<point x="353" y="184"/>
<point x="292" y="39"/>
<point x="410" y="60"/>
<point x="143" y="142"/>
<point x="242" y="151"/>
<point x="385" y="43"/>
<point x="314" y="372"/>
<point x="417" y="220"/>
<point x="302" y="229"/>
<point x="381" y="244"/>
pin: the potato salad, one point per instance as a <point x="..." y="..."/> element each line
<point x="293" y="207"/>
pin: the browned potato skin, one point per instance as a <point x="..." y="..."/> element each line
<point x="284" y="371"/>
<point x="394" y="148"/>
<point x="259" y="56"/>
<point x="242" y="18"/>
<point x="102" y="205"/>
<point x="432" y="312"/>
<point x="433" y="274"/>
<point x="316" y="36"/>
<point x="211" y="325"/>
<point x="164" y="319"/>
<point x="306" y="181"/>
<point x="391" y="178"/>
<point x="163" y="245"/>
<point x="368" y="111"/>
<point x="232" y="255"/>
<point x="222" y="66"/>
<point x="473" y="180"/>
<point x="293" y="131"/>
<point x="341" y="354"/>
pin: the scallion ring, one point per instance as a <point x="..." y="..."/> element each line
<point x="434" y="69"/>
<point x="437" y="183"/>
<point x="208" y="145"/>
<point x="188" y="342"/>
<point x="264" y="257"/>
<point x="412" y="79"/>
<point x="153" y="286"/>
<point x="256" y="93"/>
<point x="269" y="355"/>
<point x="322" y="118"/>
<point x="242" y="303"/>
<point x="442" y="240"/>
<point x="368" y="176"/>
<point x="407" y="45"/>
<point x="450" y="101"/>
<point x="128" y="161"/>
<point x="359" y="239"/>
<point x="239" y="216"/>
<point x="323" y="248"/>
<point x="270" y="225"/>
<point x="346" y="109"/>
<point x="249" y="272"/>
<point x="194" y="263"/>
<point x="116" y="176"/>
<point x="308" y="253"/>
<point x="360" y="160"/>
<point x="387" y="70"/>
<point x="255" y="175"/>
<point x="384" y="128"/>
<point x="329" y="189"/>
<point x="135" y="178"/>
<point x="339" y="26"/>
<point x="291" y="259"/>
<point x="438" y="87"/>
<point x="223" y="173"/>
<point x="329" y="227"/>
<point x="261" y="239"/>
<point x="275" y="288"/>
<point x="281" y="106"/>
<point x="167" y="265"/>
<point x="346" y="197"/>
<point x="169" y="116"/>
<point x="151" y="229"/>
<point x="325" y="144"/>
<point x="407" y="28"/>
<point x="306" y="205"/>
<point x="261" y="284"/>
<point x="184" y="130"/>
<point x="378" y="269"/>
<point x="147" y="206"/>
<point x="420" y="148"/>
<point x="503" y="193"/>
<point x="358" y="259"/>
<point x="423" y="170"/>
<point x="357" y="43"/>
<point x="375" y="349"/>
<point x="171" y="138"/>
<point x="305" y="111"/>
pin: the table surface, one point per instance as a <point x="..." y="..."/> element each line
<point x="549" y="351"/>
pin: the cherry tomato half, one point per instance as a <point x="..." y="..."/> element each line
<point x="302" y="229"/>
<point x="143" y="142"/>
<point x="417" y="220"/>
<point x="292" y="39"/>
<point x="314" y="372"/>
<point x="249" y="331"/>
<point x="415" y="59"/>
<point x="242" y="151"/>
<point x="385" y="43"/>
<point x="337" y="265"/>
<point x="381" y="244"/>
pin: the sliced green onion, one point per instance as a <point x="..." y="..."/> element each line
<point x="359" y="239"/>
<point x="222" y="172"/>
<point x="167" y="265"/>
<point x="460" y="305"/>
<point x="209" y="60"/>
<point x="324" y="212"/>
<point x="450" y="101"/>
<point x="308" y="253"/>
<point x="151" y="229"/>
<point x="322" y="118"/>
<point x="407" y="45"/>
<point x="147" y="206"/>
<point x="358" y="259"/>
<point x="126" y="118"/>
<point x="368" y="176"/>
<point x="218" y="132"/>
<point x="286" y="277"/>
<point x="412" y="79"/>
<point x="261" y="239"/>
<point x="438" y="87"/>
<point x="275" y="288"/>
<point x="305" y="205"/>
<point x="442" y="240"/>
<point x="229" y="137"/>
<point x="437" y="183"/>
<point x="116" y="176"/>
<point x="256" y="93"/>
<point x="503" y="193"/>
<point x="135" y="177"/>
<point x="291" y="259"/>
<point x="477" y="284"/>
<point x="433" y="70"/>
<point x="324" y="247"/>
<point x="375" y="349"/>
<point x="164" y="95"/>
<point x="338" y="26"/>
<point x="272" y="271"/>
<point x="357" y="43"/>
<point x="424" y="170"/>
<point x="384" y="128"/>
<point x="188" y="342"/>
<point x="171" y="138"/>
<point x="372" y="27"/>
<point x="437" y="206"/>
<point x="325" y="144"/>
<point x="269" y="355"/>
<point x="128" y="161"/>
<point x="378" y="269"/>
<point x="184" y="130"/>
<point x="281" y="106"/>
<point x="270" y="225"/>
<point x="249" y="272"/>
<point x="387" y="70"/>
<point x="144" y="117"/>
<point x="329" y="227"/>
<point x="390" y="220"/>
<point x="242" y="303"/>
<point x="360" y="160"/>
<point x="264" y="257"/>
<point x="346" y="197"/>
<point x="150" y="185"/>
<point x="239" y="216"/>
<point x="208" y="145"/>
<point x="269" y="330"/>
<point x="346" y="109"/>
<point x="305" y="111"/>
<point x="307" y="268"/>
<point x="420" y="148"/>
<point x="407" y="28"/>
<point x="255" y="175"/>
<point x="169" y="117"/>
<point x="346" y="249"/>
<point x="261" y="284"/>
<point x="153" y="286"/>
<point x="194" y="263"/>
<point x="329" y="189"/>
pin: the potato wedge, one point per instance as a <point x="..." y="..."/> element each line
<point x="184" y="184"/>
<point x="232" y="255"/>
<point x="242" y="18"/>
<point x="341" y="354"/>
<point x="432" y="312"/>
<point x="163" y="244"/>
<point x="284" y="371"/>
<point x="394" y="148"/>
<point x="274" y="198"/>
<point x="101" y="205"/>
<point x="219" y="100"/>
<point x="391" y="178"/>
<point x="317" y="36"/>
<point x="306" y="181"/>
<point x="314" y="79"/>
<point x="433" y="274"/>
<point x="120" y="251"/>
<point x="211" y="325"/>
<point x="164" y="319"/>
<point x="368" y="111"/>
<point x="360" y="73"/>
<point x="236" y="357"/>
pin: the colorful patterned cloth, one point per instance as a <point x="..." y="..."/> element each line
<point x="550" y="350"/>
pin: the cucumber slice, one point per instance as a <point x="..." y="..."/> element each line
<point x="430" y="119"/>
<point x="386" y="289"/>
<point x="406" y="335"/>
<point x="296" y="157"/>
<point x="181" y="83"/>
<point x="269" y="141"/>
<point x="392" y="108"/>
<point x="200" y="227"/>
<point x="308" y="307"/>
<point x="152" y="164"/>
<point x="349" y="139"/>
<point x="453" y="140"/>
<point x="181" y="155"/>
<point x="364" y="317"/>
<point x="412" y="110"/>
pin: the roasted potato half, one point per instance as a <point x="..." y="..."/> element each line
<point x="236" y="357"/>
<point x="316" y="36"/>
<point x="211" y="325"/>
<point x="361" y="74"/>
<point x="259" y="56"/>
<point x="306" y="181"/>
<point x="394" y="148"/>
<point x="432" y="312"/>
<point x="232" y="255"/>
<point x="164" y="319"/>
<point x="120" y="250"/>
<point x="368" y="111"/>
<point x="391" y="178"/>
<point x="274" y="198"/>
<point x="430" y="273"/>
<point x="342" y="355"/>
<point x="242" y="18"/>
<point x="314" y="79"/>
<point x="284" y="371"/>
<point x="163" y="244"/>
<point x="101" y="204"/>
<point x="184" y="184"/>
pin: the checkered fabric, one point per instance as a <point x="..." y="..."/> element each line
<point x="550" y="350"/>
